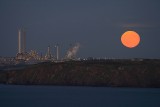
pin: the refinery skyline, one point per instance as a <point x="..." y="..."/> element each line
<point x="22" y="53"/>
<point x="24" y="57"/>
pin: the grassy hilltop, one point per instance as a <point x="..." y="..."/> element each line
<point x="112" y="73"/>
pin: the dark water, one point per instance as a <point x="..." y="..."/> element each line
<point x="65" y="96"/>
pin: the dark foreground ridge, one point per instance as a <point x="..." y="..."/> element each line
<point x="111" y="73"/>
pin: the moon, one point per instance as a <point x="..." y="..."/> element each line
<point x="130" y="39"/>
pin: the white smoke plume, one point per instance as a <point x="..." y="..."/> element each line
<point x="71" y="53"/>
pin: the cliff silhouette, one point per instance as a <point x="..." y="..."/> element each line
<point x="110" y="73"/>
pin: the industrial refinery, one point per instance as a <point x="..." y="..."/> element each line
<point x="32" y="57"/>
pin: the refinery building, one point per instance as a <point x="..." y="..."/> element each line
<point x="34" y="57"/>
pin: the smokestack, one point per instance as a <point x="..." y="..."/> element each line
<point x="48" y="55"/>
<point x="48" y="50"/>
<point x="24" y="41"/>
<point x="19" y="41"/>
<point x="57" y="51"/>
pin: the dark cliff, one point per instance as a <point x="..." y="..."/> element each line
<point x="112" y="73"/>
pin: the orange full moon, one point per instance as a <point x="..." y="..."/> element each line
<point x="130" y="39"/>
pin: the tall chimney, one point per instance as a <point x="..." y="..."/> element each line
<point x="48" y="50"/>
<point x="19" y="41"/>
<point x="24" y="41"/>
<point x="57" y="51"/>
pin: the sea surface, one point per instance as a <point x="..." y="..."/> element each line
<point x="77" y="96"/>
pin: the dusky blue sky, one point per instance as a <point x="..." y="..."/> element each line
<point x="96" y="24"/>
